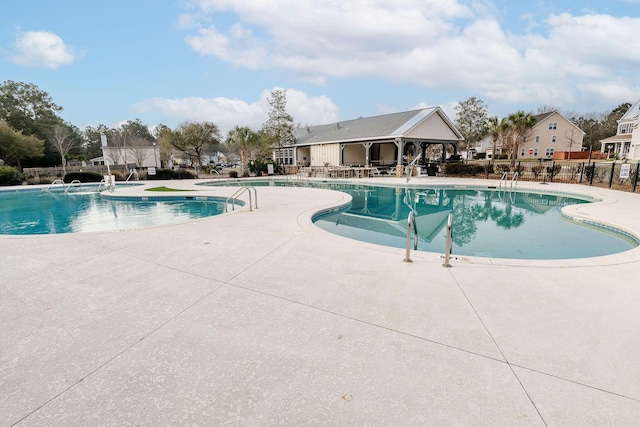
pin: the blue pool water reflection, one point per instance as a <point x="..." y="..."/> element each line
<point x="41" y="212"/>
<point x="486" y="223"/>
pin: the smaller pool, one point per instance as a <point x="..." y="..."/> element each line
<point x="54" y="212"/>
<point x="488" y="223"/>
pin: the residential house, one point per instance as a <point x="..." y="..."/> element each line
<point x="139" y="156"/>
<point x="625" y="143"/>
<point x="551" y="133"/>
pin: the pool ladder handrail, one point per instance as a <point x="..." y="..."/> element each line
<point x="237" y="194"/>
<point x="75" y="182"/>
<point x="55" y="181"/>
<point x="411" y="224"/>
<point x="133" y="172"/>
<point x="409" y="168"/>
<point x="449" y="246"/>
<point x="505" y="176"/>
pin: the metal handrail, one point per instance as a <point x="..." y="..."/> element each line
<point x="516" y="174"/>
<point x="409" y="169"/>
<point x="133" y="172"/>
<point x="411" y="223"/>
<point x="449" y="246"/>
<point x="75" y="181"/>
<point x="504" y="177"/>
<point x="55" y="181"/>
<point x="237" y="194"/>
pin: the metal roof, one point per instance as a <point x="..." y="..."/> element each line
<point x="386" y="126"/>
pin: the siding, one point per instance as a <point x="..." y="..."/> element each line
<point x="433" y="128"/>
<point x="325" y="153"/>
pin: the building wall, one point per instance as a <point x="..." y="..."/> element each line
<point x="540" y="138"/>
<point x="117" y="156"/>
<point x="388" y="154"/>
<point x="434" y="127"/>
<point x="634" y="150"/>
<point x="325" y="153"/>
<point x="353" y="154"/>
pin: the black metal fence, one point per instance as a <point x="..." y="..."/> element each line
<point x="619" y="176"/>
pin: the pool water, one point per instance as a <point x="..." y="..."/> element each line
<point x="53" y="212"/>
<point x="486" y="222"/>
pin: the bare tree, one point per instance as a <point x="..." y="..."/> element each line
<point x="573" y="136"/>
<point x="139" y="148"/>
<point x="62" y="140"/>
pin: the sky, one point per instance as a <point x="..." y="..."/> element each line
<point x="170" y="61"/>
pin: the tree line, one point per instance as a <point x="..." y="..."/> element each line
<point x="32" y="134"/>
<point x="475" y="123"/>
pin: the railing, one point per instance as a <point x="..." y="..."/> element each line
<point x="411" y="224"/>
<point x="57" y="181"/>
<point x="133" y="172"/>
<point x="237" y="194"/>
<point x="449" y="246"/>
<point x="504" y="177"/>
<point x="514" y="178"/>
<point x="409" y="168"/>
<point x="75" y="182"/>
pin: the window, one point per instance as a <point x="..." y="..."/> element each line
<point x="553" y="138"/>
<point x="549" y="152"/>
<point x="537" y="138"/>
<point x="284" y="156"/>
<point x="623" y="128"/>
<point x="553" y="126"/>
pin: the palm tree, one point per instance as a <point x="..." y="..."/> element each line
<point x="244" y="141"/>
<point x="498" y="128"/>
<point x="494" y="130"/>
<point x="520" y="122"/>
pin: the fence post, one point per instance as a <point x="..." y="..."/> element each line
<point x="613" y="167"/>
<point x="553" y="168"/>
<point x="581" y="171"/>
<point x="635" y="177"/>
<point x="489" y="166"/>
<point x="593" y="172"/>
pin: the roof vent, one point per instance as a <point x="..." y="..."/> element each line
<point x="337" y="125"/>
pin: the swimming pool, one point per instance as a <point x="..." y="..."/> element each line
<point x="53" y="212"/>
<point x="487" y="222"/>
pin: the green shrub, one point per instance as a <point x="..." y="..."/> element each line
<point x="83" y="177"/>
<point x="463" y="169"/>
<point x="171" y="174"/>
<point x="10" y="176"/>
<point x="259" y="167"/>
<point x="553" y="170"/>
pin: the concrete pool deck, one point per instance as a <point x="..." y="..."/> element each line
<point x="261" y="318"/>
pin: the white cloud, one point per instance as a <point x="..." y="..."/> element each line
<point x="227" y="113"/>
<point x="42" y="49"/>
<point x="445" y="45"/>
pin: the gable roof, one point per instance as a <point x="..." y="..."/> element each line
<point x="632" y="113"/>
<point x="540" y="118"/>
<point x="387" y="126"/>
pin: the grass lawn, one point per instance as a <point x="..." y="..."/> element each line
<point x="165" y="189"/>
